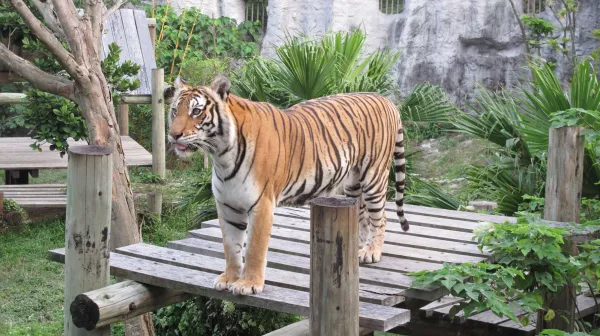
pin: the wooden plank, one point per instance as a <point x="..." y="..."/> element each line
<point x="118" y="31"/>
<point x="440" y="303"/>
<point x="392" y="227"/>
<point x="389" y="276"/>
<point x="449" y="214"/>
<point x="390" y="238"/>
<point x="15" y="153"/>
<point x="301" y="328"/>
<point x="135" y="50"/>
<point x="108" y="36"/>
<point x="293" y="247"/>
<point x="414" y="220"/>
<point x="273" y="277"/>
<point x="143" y="32"/>
<point x="375" y="317"/>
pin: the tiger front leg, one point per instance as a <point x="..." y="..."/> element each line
<point x="252" y="280"/>
<point x="233" y="229"/>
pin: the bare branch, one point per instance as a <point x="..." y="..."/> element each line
<point x="45" y="36"/>
<point x="47" y="10"/>
<point x="39" y="79"/>
<point x="113" y="9"/>
<point x="71" y="23"/>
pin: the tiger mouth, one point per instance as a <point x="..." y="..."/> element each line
<point x="181" y="146"/>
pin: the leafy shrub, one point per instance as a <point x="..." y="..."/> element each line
<point x="530" y="264"/>
<point x="197" y="36"/>
<point x="202" y="316"/>
<point x="307" y="69"/>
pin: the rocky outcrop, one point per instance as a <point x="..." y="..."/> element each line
<point x="457" y="44"/>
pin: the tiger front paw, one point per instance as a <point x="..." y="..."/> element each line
<point x="369" y="254"/>
<point x="247" y="287"/>
<point x="224" y="282"/>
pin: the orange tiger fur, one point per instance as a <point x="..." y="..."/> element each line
<point x="263" y="156"/>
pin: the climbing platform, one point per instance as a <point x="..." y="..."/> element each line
<point x="191" y="264"/>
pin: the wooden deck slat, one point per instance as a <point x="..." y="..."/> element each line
<point x="302" y="263"/>
<point x="132" y="43"/>
<point x="273" y="276"/>
<point x="15" y="153"/>
<point x="450" y="214"/>
<point x="376" y="317"/>
<point x="294" y="247"/>
<point x="390" y="238"/>
<point x="413" y="219"/>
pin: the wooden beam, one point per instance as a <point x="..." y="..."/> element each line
<point x="13" y="98"/>
<point x="334" y="267"/>
<point x="152" y="29"/>
<point x="89" y="193"/>
<point x="564" y="183"/>
<point x="158" y="137"/>
<point x="119" y="302"/>
<point x="139" y="99"/>
<point x="123" y="119"/>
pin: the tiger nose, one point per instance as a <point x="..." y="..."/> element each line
<point x="176" y="135"/>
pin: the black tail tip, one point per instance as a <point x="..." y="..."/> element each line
<point x="404" y="224"/>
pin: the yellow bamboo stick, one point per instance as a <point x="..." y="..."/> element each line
<point x="162" y="26"/>
<point x="188" y="42"/>
<point x="176" y="45"/>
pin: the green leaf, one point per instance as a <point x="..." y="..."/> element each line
<point x="549" y="316"/>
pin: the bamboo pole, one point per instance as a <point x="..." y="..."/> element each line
<point x="13" y="98"/>
<point x="564" y="184"/>
<point x="87" y="232"/>
<point x="158" y="137"/>
<point x="334" y="267"/>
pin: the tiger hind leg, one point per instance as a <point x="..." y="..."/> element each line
<point x="352" y="188"/>
<point x="374" y="198"/>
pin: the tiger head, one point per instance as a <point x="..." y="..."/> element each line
<point x="199" y="117"/>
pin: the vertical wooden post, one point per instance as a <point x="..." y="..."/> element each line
<point x="564" y="184"/>
<point x="152" y="29"/>
<point x="334" y="267"/>
<point x="1" y="206"/>
<point x="158" y="137"/>
<point x="123" y="119"/>
<point x="87" y="231"/>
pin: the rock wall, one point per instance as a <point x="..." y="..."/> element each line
<point x="457" y="44"/>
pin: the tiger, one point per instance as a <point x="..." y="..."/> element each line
<point x="263" y="156"/>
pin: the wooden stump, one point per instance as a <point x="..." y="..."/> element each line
<point x="87" y="231"/>
<point x="564" y="183"/>
<point x="334" y="267"/>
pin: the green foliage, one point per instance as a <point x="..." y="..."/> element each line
<point x="307" y="69"/>
<point x="202" y="71"/>
<point x="538" y="28"/>
<point x="10" y="206"/>
<point x="203" y="316"/>
<point x="53" y="119"/>
<point x="202" y="36"/>
<point x="530" y="264"/>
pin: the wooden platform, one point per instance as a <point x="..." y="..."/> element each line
<point x="15" y="154"/>
<point x="191" y="264"/>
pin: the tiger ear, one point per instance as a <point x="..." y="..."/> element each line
<point x="221" y="86"/>
<point x="180" y="83"/>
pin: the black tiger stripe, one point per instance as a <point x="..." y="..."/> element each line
<point x="238" y="225"/>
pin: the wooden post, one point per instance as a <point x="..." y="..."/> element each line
<point x="158" y="137"/>
<point x="1" y="206"/>
<point x="119" y="302"/>
<point x="334" y="267"/>
<point x="152" y="29"/>
<point x="564" y="183"/>
<point x="123" y="119"/>
<point x="89" y="197"/>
